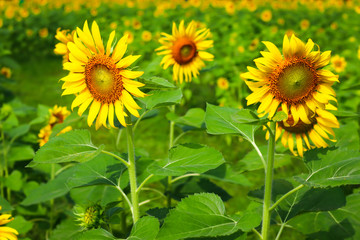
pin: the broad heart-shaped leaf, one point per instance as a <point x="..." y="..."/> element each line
<point x="156" y="83"/>
<point x="50" y="190"/>
<point x="188" y="158"/>
<point x="146" y="228"/>
<point x="21" y="224"/>
<point x="226" y="120"/>
<point x="160" y="98"/>
<point x="194" y="117"/>
<point x="200" y="215"/>
<point x="5" y="205"/>
<point x="252" y="162"/>
<point x="98" y="234"/>
<point x="342" y="223"/>
<point x="330" y="167"/>
<point x="73" y="146"/>
<point x="102" y="170"/>
<point x="226" y="173"/>
<point x="20" y="153"/>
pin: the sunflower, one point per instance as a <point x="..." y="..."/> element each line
<point x="7" y="233"/>
<point x="338" y="63"/>
<point x="307" y="136"/>
<point x="99" y="77"/>
<point x="185" y="50"/>
<point x="60" y="48"/>
<point x="58" y="114"/>
<point x="293" y="82"/>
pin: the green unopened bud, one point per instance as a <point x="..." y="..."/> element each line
<point x="89" y="217"/>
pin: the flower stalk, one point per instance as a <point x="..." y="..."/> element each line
<point x="132" y="171"/>
<point x="268" y="183"/>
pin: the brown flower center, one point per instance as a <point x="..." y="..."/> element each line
<point x="103" y="79"/>
<point x="294" y="81"/>
<point x="184" y="50"/>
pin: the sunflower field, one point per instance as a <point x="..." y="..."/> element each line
<point x="183" y="119"/>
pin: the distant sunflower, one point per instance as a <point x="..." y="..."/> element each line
<point x="293" y="82"/>
<point x="99" y="77"/>
<point x="60" y="48"/>
<point x="338" y="63"/>
<point x="305" y="136"/>
<point x="7" y="233"/>
<point x="58" y="115"/>
<point x="185" y="49"/>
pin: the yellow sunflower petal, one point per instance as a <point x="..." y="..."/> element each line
<point x="111" y="115"/>
<point x="127" y="61"/>
<point x="97" y="37"/>
<point x="93" y="112"/>
<point x="119" y="111"/>
<point x="109" y="43"/>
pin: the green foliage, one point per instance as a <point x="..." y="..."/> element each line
<point x="225" y="120"/>
<point x="188" y="158"/>
<point x="331" y="167"/>
<point x="68" y="147"/>
<point x="197" y="216"/>
<point x="145" y="229"/>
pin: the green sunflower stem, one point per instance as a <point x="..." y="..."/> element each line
<point x="171" y="144"/>
<point x="132" y="170"/>
<point x="268" y="183"/>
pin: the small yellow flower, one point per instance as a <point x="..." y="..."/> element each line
<point x="241" y="49"/>
<point x="357" y="9"/>
<point x="44" y="32"/>
<point x="29" y="32"/>
<point x="61" y="48"/>
<point x="24" y="13"/>
<point x="93" y="12"/>
<point x="113" y="25"/>
<point x="358" y="53"/>
<point x="281" y="21"/>
<point x="130" y="36"/>
<point x="338" y="63"/>
<point x="44" y="135"/>
<point x="1" y="22"/>
<point x="334" y="26"/>
<point x="266" y="15"/>
<point x="254" y="44"/>
<point x="7" y="233"/>
<point x="58" y="115"/>
<point x="230" y="8"/>
<point x="223" y="83"/>
<point x="136" y="24"/>
<point x="304" y="24"/>
<point x="146" y="36"/>
<point x="6" y="72"/>
<point x="10" y="12"/>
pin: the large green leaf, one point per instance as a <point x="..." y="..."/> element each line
<point x="226" y="120"/>
<point x="102" y="170"/>
<point x="98" y="234"/>
<point x="156" y="83"/>
<point x="330" y="167"/>
<point x="50" y="190"/>
<point x="21" y="224"/>
<point x="159" y="98"/>
<point x="73" y="146"/>
<point x="67" y="229"/>
<point x="251" y="217"/>
<point x="194" y="117"/>
<point x="20" y="153"/>
<point x="226" y="173"/>
<point x="5" y="205"/>
<point x="146" y="228"/>
<point x="188" y="158"/>
<point x="252" y="162"/>
<point x="200" y="215"/>
<point x="101" y="194"/>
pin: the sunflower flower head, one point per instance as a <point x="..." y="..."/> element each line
<point x="185" y="50"/>
<point x="99" y="77"/>
<point x="57" y="115"/>
<point x="302" y="136"/>
<point x="338" y="63"/>
<point x="7" y="233"/>
<point x="60" y="48"/>
<point x="6" y="72"/>
<point x="294" y="81"/>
